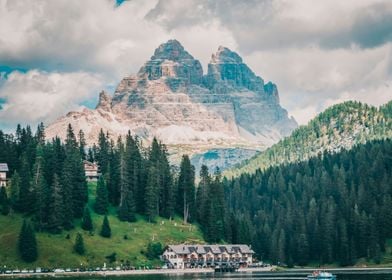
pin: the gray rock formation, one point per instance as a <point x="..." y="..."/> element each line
<point x="221" y="158"/>
<point x="171" y="99"/>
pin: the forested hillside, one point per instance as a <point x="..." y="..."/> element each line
<point x="334" y="208"/>
<point x="331" y="208"/>
<point x="339" y="127"/>
<point x="48" y="187"/>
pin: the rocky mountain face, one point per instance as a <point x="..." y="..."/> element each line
<point x="170" y="98"/>
<point x="221" y="158"/>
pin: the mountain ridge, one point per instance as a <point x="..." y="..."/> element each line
<point x="339" y="127"/>
<point x="172" y="99"/>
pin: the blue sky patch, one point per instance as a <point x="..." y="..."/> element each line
<point x="119" y="2"/>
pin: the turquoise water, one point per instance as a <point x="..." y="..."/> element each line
<point x="238" y="275"/>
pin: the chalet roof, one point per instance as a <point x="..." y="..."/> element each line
<point x="91" y="166"/>
<point x="4" y="167"/>
<point x="215" y="249"/>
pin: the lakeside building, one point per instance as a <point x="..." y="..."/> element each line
<point x="187" y="256"/>
<point x="91" y="171"/>
<point x="3" y="174"/>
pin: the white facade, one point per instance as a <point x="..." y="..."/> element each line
<point x="184" y="256"/>
<point x="3" y="179"/>
<point x="91" y="171"/>
<point x="3" y="174"/>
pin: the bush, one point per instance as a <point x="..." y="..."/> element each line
<point x="112" y="257"/>
<point x="105" y="230"/>
<point x="154" y="250"/>
<point x="27" y="243"/>
<point x="79" y="245"/>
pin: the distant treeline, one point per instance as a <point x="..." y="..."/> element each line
<point x="331" y="208"/>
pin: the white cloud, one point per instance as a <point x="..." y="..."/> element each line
<point x="38" y="96"/>
<point x="314" y="52"/>
<point x="308" y="78"/>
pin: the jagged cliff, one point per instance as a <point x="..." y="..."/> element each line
<point x="171" y="99"/>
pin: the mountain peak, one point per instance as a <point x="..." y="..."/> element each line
<point x="225" y="55"/>
<point x="171" y="50"/>
<point x="173" y="62"/>
<point x="105" y="101"/>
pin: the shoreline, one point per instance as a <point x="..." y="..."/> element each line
<point x="130" y="272"/>
<point x="266" y="270"/>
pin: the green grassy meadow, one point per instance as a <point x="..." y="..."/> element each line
<point x="57" y="250"/>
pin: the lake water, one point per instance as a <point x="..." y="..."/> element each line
<point x="239" y="275"/>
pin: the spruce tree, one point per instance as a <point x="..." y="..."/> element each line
<point x="40" y="193"/>
<point x="101" y="200"/>
<point x="79" y="245"/>
<point x="113" y="177"/>
<point x="129" y="179"/>
<point x="25" y="192"/>
<point x="105" y="229"/>
<point x="82" y="144"/>
<point x="27" y="243"/>
<point x="4" y="202"/>
<point x="67" y="186"/>
<point x="74" y="170"/>
<point x="202" y="195"/>
<point x="186" y="190"/>
<point x="55" y="207"/>
<point x="40" y="134"/>
<point x="167" y="196"/>
<point x="14" y="190"/>
<point x="87" y="223"/>
<point x="102" y="153"/>
<point x="151" y="196"/>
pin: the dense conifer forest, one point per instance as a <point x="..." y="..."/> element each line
<point x="48" y="184"/>
<point x="330" y="209"/>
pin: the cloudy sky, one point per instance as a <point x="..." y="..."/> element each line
<point x="56" y="56"/>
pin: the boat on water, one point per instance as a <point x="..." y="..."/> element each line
<point x="321" y="275"/>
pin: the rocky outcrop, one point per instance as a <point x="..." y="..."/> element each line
<point x="171" y="99"/>
<point x="105" y="101"/>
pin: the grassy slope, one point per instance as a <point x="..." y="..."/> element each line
<point x="56" y="250"/>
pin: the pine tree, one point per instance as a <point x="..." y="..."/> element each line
<point x="202" y="194"/>
<point x="73" y="173"/>
<point x="40" y="134"/>
<point x="101" y="201"/>
<point x="186" y="190"/>
<point x="67" y="186"/>
<point x="27" y="244"/>
<point x="40" y="192"/>
<point x="25" y="192"/>
<point x="4" y="202"/>
<point x="129" y="179"/>
<point x="102" y="154"/>
<point x="82" y="144"/>
<point x="87" y="223"/>
<point x="55" y="207"/>
<point x="151" y="196"/>
<point x="14" y="190"/>
<point x="79" y="245"/>
<point x="105" y="229"/>
<point x="113" y="177"/>
<point x="166" y="198"/>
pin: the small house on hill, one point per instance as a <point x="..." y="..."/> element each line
<point x="3" y="174"/>
<point x="91" y="171"/>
